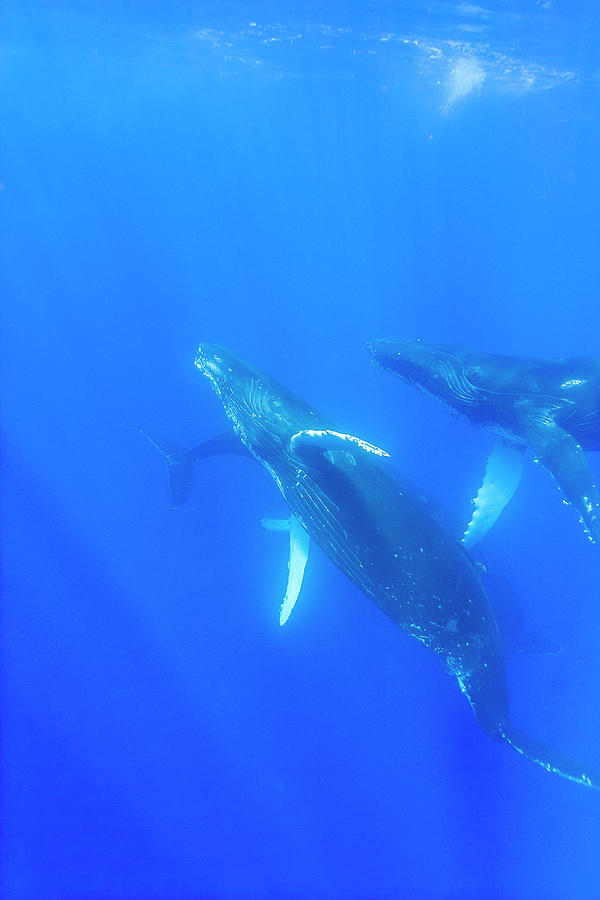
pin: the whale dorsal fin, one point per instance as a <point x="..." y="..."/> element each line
<point x="502" y="476"/>
<point x="327" y="440"/>
<point x="560" y="453"/>
<point x="299" y="546"/>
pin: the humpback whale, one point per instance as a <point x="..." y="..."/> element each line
<point x="342" y="494"/>
<point x="552" y="405"/>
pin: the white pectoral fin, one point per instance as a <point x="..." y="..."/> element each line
<point x="502" y="476"/>
<point x="327" y="440"/>
<point x="299" y="546"/>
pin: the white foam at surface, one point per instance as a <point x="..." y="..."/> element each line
<point x="466" y="77"/>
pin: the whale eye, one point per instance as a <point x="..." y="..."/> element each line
<point x="473" y="371"/>
<point x="276" y="402"/>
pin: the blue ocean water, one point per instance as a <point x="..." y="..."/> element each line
<point x="289" y="180"/>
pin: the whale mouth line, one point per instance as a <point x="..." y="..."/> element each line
<point x="427" y="372"/>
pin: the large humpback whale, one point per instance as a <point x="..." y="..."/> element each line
<point x="342" y="494"/>
<point x="552" y="405"/>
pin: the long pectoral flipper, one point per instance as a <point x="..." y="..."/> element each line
<point x="180" y="462"/>
<point x="560" y="453"/>
<point x="502" y="476"/>
<point x="326" y="440"/>
<point x="299" y="546"/>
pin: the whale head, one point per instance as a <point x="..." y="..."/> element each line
<point x="450" y="374"/>
<point x="263" y="412"/>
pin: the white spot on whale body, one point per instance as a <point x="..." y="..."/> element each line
<point x="466" y="77"/>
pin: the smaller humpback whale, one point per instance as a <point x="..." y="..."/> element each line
<point x="552" y="405"/>
<point x="383" y="535"/>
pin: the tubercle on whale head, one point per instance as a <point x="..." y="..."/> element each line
<point x="264" y="413"/>
<point x="411" y="360"/>
<point x="444" y="371"/>
<point x="230" y="375"/>
<point x="213" y="360"/>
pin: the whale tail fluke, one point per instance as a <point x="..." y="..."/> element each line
<point x="548" y="757"/>
<point x="180" y="462"/>
<point x="180" y="467"/>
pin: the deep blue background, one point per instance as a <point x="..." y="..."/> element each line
<point x="169" y="178"/>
